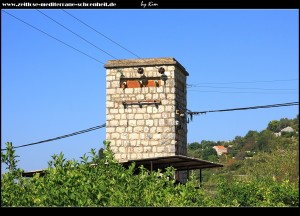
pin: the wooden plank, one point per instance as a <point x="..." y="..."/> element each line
<point x="136" y="84"/>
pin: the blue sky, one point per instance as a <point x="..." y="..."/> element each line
<point x="237" y="58"/>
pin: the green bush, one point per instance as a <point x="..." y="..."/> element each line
<point x="105" y="182"/>
<point x="258" y="192"/>
<point x="98" y="182"/>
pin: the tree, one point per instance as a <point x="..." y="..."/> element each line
<point x="207" y="152"/>
<point x="273" y="126"/>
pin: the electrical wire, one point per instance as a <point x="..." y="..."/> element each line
<point x="242" y="92"/>
<point x="53" y="37"/>
<point x="100" y="33"/>
<point x="76" y="34"/>
<point x="222" y="87"/>
<point x="61" y="137"/>
<point x="244" y="108"/>
<point x="189" y="112"/>
<point x="260" y="81"/>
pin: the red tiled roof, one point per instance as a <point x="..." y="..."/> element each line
<point x="220" y="147"/>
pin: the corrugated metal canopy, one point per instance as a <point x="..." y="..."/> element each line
<point x="179" y="162"/>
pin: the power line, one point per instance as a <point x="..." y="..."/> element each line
<point x="260" y="81"/>
<point x="53" y="37"/>
<point x="222" y="87"/>
<point x="189" y="112"/>
<point x="202" y="91"/>
<point x="100" y="33"/>
<point x="244" y="108"/>
<point x="62" y="137"/>
<point x="75" y="34"/>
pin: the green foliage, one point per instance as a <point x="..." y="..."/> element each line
<point x="194" y="146"/>
<point x="95" y="182"/>
<point x="270" y="178"/>
<point x="273" y="126"/>
<point x="281" y="163"/>
<point x="209" y="153"/>
<point x="251" y="162"/>
<point x="257" y="192"/>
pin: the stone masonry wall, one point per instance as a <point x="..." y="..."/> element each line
<point x="148" y="130"/>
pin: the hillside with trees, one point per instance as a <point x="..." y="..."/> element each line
<point x="272" y="153"/>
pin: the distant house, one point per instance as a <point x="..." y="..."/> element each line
<point x="286" y="129"/>
<point x="220" y="150"/>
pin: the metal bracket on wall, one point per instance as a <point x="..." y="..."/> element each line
<point x="141" y="102"/>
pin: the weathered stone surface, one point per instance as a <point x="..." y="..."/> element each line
<point x="145" y="130"/>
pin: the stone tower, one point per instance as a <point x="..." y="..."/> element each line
<point x="145" y="108"/>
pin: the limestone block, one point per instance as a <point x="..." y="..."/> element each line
<point x="145" y="155"/>
<point x="132" y="122"/>
<point x="113" y="123"/>
<point x="128" y="90"/>
<point x="122" y="149"/>
<point x="134" y="136"/>
<point x="144" y="142"/>
<point x="138" y="116"/>
<point x="161" y="122"/>
<point x="110" y="117"/>
<point x="151" y="155"/>
<point x="110" y="104"/>
<point x="156" y="154"/>
<point x="123" y="122"/>
<point x="133" y="156"/>
<point x="130" y="149"/>
<point x="155" y="122"/>
<point x="149" y="135"/>
<point x="156" y="116"/>
<point x="146" y="129"/>
<point x="149" y="123"/>
<point x="120" y="129"/>
<point x="138" y="129"/>
<point x="110" y="129"/>
<point x="124" y="136"/>
<point x="133" y="143"/>
<point x="161" y="109"/>
<point x="139" y="156"/>
<point x="149" y="109"/>
<point x="138" y="149"/>
<point x="118" y="142"/>
<point x="110" y="78"/>
<point x="115" y="136"/>
<point x="115" y="84"/>
<point x="154" y="143"/>
<point x="140" y="122"/>
<point x="123" y="156"/>
<point x="111" y="91"/>
<point x="113" y="111"/>
<point x="147" y="149"/>
<point x="130" y="116"/>
<point x="153" y="129"/>
<point x="156" y="136"/>
<point x="142" y="136"/>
